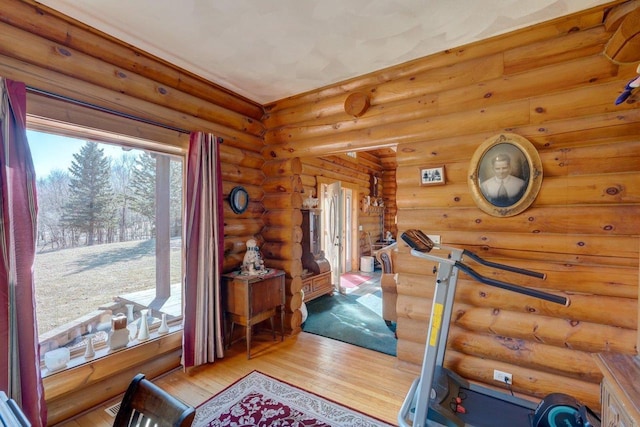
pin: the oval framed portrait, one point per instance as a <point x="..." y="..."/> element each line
<point x="505" y="175"/>
<point x="239" y="199"/>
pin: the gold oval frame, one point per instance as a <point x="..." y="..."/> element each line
<point x="529" y="165"/>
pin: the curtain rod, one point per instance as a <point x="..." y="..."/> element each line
<point x="106" y="110"/>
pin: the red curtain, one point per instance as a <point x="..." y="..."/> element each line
<point x="20" y="360"/>
<point x="204" y="250"/>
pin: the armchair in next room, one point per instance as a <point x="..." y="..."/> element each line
<point x="386" y="258"/>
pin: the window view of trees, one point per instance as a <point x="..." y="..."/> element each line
<point x="97" y="231"/>
<point x="102" y="200"/>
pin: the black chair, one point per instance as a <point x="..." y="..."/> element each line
<point x="146" y="404"/>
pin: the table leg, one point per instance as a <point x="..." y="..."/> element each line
<point x="282" y="323"/>
<point x="248" y="332"/>
<point x="273" y="328"/>
<point x="230" y="336"/>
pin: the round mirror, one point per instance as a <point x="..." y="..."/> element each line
<point x="239" y="199"/>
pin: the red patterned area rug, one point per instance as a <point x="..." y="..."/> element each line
<point x="263" y="401"/>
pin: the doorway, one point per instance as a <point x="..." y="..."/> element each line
<point x="339" y="226"/>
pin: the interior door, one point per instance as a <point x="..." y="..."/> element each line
<point x="347" y="253"/>
<point x="332" y="230"/>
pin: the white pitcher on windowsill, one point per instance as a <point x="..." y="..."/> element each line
<point x="119" y="335"/>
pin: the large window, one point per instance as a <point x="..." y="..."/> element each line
<point x="109" y="241"/>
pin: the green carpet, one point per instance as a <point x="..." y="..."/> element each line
<point x="352" y="319"/>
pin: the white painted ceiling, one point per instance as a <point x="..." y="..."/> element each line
<point x="266" y="50"/>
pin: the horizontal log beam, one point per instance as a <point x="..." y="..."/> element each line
<point x="282" y="234"/>
<point x="598" y="222"/>
<point x="59" y="84"/>
<point x="76" y="121"/>
<point x="548" y="31"/>
<point x="283" y="184"/>
<point x="256" y="193"/>
<point x="327" y="168"/>
<point x="293" y="285"/>
<point x="529" y="354"/>
<point x="582" y="336"/>
<point x="602" y="280"/>
<point x="283" y="218"/>
<point x="254" y="211"/>
<point x="273" y="201"/>
<point x="241" y="174"/>
<point x="448" y="98"/>
<point x="480" y="120"/>
<point x="292" y="267"/>
<point x="534" y="384"/>
<point x="241" y="227"/>
<point x="28" y="47"/>
<point x="232" y="262"/>
<point x="32" y="16"/>
<point x="235" y="245"/>
<point x="293" y="321"/>
<point x="240" y="157"/>
<point x="541" y="54"/>
<point x="282" y="167"/>
<point x="530" y="381"/>
<point x="282" y="250"/>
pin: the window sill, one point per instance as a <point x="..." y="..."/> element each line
<point x="81" y="373"/>
<point x="101" y="350"/>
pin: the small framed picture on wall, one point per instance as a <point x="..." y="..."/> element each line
<point x="432" y="176"/>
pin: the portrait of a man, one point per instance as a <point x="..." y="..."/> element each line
<point x="506" y="175"/>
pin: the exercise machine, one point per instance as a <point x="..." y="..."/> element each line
<point x="440" y="397"/>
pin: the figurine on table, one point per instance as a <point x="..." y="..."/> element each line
<point x="252" y="262"/>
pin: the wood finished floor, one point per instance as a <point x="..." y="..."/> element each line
<point x="365" y="380"/>
<point x="362" y="379"/>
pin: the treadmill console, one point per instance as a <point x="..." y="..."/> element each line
<point x="418" y="240"/>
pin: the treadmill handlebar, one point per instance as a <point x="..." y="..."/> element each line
<point x="419" y="241"/>
<point x="418" y="250"/>
<point x="513" y="288"/>
<point x="503" y="266"/>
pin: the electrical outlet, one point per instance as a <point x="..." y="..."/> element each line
<point x="503" y="377"/>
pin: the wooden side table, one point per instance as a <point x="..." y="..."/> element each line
<point x="249" y="300"/>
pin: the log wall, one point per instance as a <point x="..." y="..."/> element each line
<point x="553" y="85"/>
<point x="54" y="54"/>
<point x="550" y="83"/>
